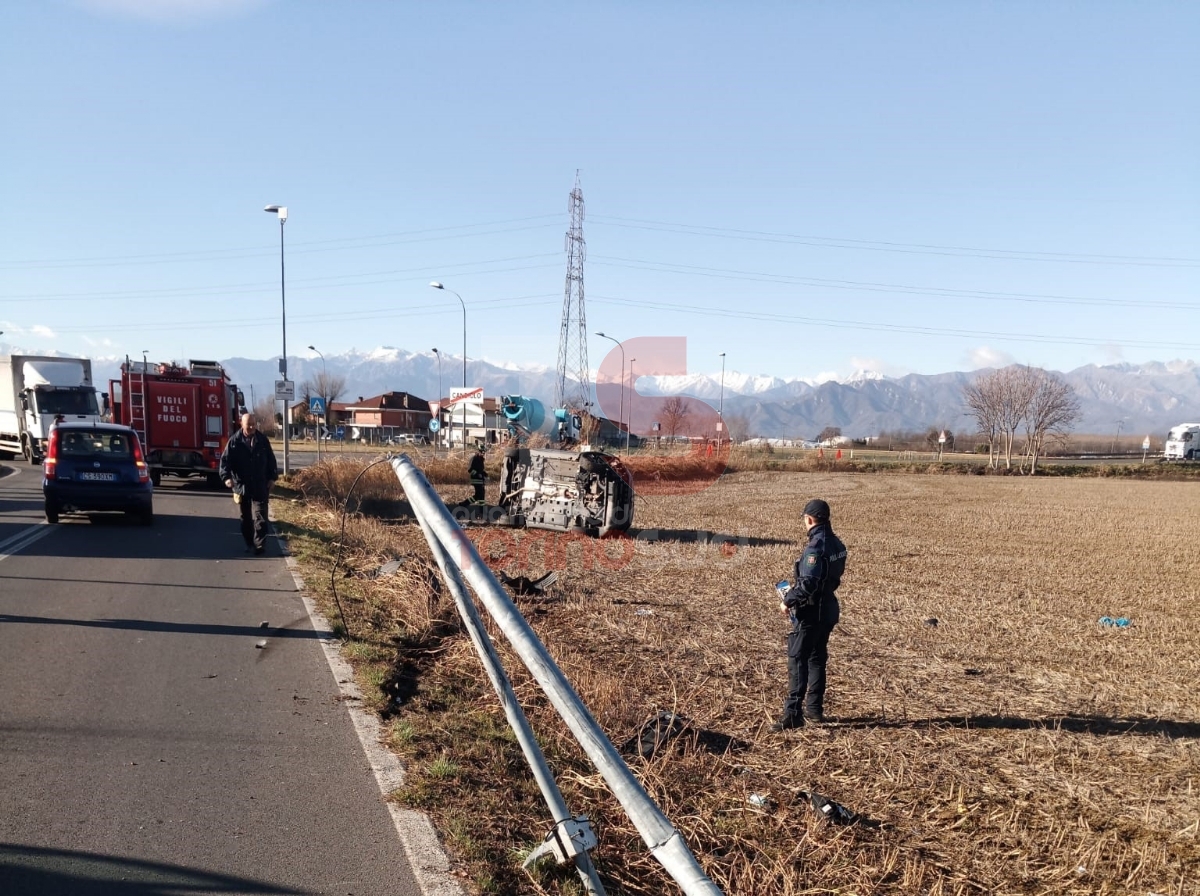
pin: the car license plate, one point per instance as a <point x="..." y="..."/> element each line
<point x="98" y="477"/>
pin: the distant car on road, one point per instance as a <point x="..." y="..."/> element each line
<point x="96" y="466"/>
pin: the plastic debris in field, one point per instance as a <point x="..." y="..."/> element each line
<point x="526" y="585"/>
<point x="1116" y="622"/>
<point x="761" y="801"/>
<point x="832" y="812"/>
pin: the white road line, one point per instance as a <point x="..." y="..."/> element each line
<point x="16" y="543"/>
<point x="429" y="862"/>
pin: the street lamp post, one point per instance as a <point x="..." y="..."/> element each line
<point x="324" y="398"/>
<point x="721" y="406"/>
<point x="439" y="396"/>
<point x="621" y="418"/>
<point x="1113" y="449"/>
<point x="631" y="382"/>
<point x="281" y="211"/>
<point x="145" y="362"/>
<point x="437" y="285"/>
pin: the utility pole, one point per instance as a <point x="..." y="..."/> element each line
<point x="574" y="379"/>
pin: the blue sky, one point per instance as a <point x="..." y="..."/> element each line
<point x="812" y="188"/>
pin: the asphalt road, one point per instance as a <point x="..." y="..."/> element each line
<point x="147" y="745"/>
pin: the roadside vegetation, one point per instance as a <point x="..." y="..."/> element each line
<point x="994" y="736"/>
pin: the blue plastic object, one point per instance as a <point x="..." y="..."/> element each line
<point x="1118" y="622"/>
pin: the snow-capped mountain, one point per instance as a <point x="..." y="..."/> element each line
<point x="1140" y="398"/>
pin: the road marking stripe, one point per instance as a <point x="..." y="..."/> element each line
<point x="430" y="864"/>
<point x="17" y="543"/>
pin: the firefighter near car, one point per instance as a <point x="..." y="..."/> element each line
<point x="184" y="415"/>
<point x="478" y="476"/>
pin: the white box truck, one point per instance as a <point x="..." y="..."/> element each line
<point x="35" y="390"/>
<point x="1183" y="442"/>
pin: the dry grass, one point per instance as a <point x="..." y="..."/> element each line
<point x="1016" y="747"/>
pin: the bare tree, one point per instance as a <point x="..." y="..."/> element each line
<point x="675" y="411"/>
<point x="738" y="428"/>
<point x="1017" y="387"/>
<point x="327" y="386"/>
<point x="1052" y="410"/>
<point x="829" y="433"/>
<point x="1005" y="401"/>
<point x="998" y="401"/>
<point x="265" y="413"/>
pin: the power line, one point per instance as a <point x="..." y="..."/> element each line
<point x="743" y="314"/>
<point x="367" y="314"/>
<point x="329" y="281"/>
<point x="870" y="286"/>
<point x="903" y="248"/>
<point x="302" y="248"/>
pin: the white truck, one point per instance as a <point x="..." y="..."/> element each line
<point x="35" y="390"/>
<point x="1183" y="442"/>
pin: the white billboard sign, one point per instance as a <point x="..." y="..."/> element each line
<point x="462" y="401"/>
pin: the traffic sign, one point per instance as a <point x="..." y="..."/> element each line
<point x="1146" y="444"/>
<point x="285" y="390"/>
<point x="434" y="425"/>
<point x="468" y="395"/>
<point x="942" y="437"/>
<point x="316" y="405"/>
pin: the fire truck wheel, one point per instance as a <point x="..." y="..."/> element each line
<point x="156" y="478"/>
<point x="214" y="480"/>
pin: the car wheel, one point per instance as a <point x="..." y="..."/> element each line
<point x="51" y="511"/>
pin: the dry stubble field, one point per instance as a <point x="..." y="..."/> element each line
<point x="1017" y="746"/>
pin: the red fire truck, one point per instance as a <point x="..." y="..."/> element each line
<point x="184" y="415"/>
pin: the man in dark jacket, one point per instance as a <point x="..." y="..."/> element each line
<point x="812" y="605"/>
<point x="477" y="475"/>
<point x="248" y="467"/>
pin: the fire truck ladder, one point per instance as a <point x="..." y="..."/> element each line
<point x="137" y="409"/>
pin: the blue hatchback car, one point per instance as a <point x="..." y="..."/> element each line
<point x="96" y="466"/>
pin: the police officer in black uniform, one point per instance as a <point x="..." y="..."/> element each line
<point x="812" y="605"/>
<point x="477" y="475"/>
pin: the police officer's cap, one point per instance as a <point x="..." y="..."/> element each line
<point x="817" y="509"/>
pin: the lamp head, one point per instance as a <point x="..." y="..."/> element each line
<point x="280" y="210"/>
<point x="436" y="285"/>
<point x="598" y="333"/>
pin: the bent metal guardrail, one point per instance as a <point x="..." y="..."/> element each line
<point x="458" y="555"/>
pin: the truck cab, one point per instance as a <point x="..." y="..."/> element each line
<point x="36" y="392"/>
<point x="1183" y="442"/>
